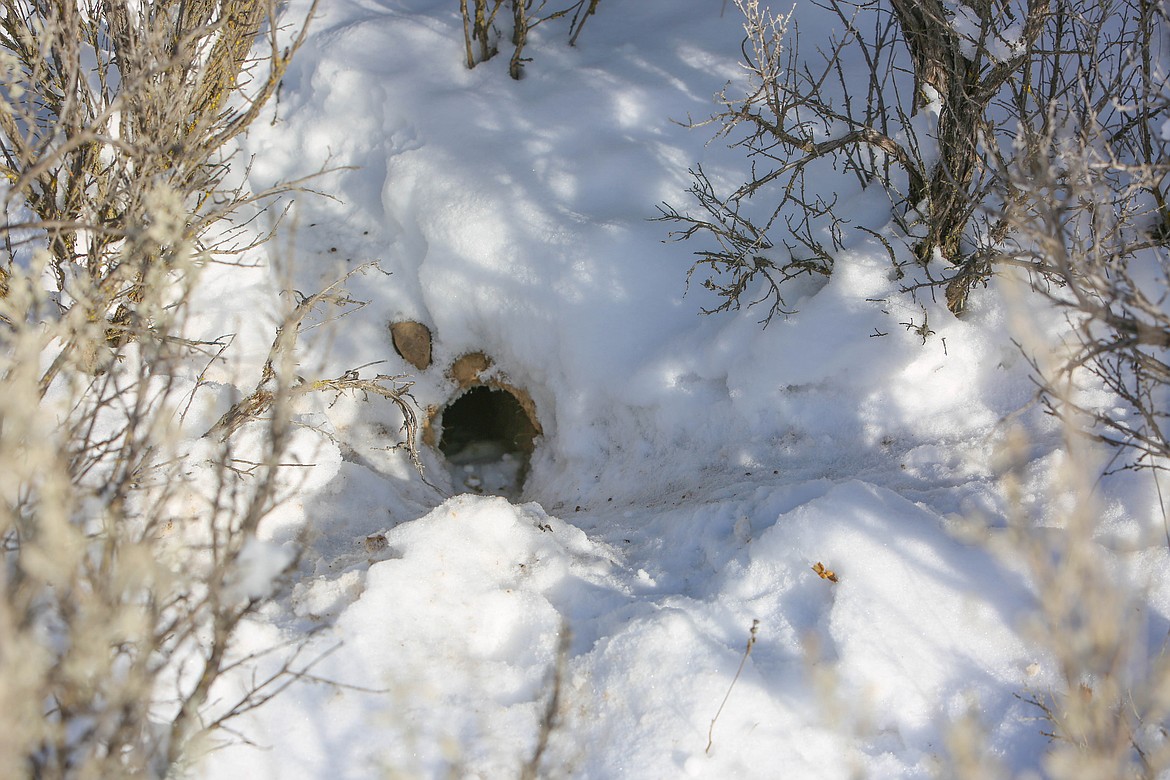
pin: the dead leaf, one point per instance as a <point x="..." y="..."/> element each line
<point x="823" y="573"/>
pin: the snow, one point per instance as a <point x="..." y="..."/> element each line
<point x="999" y="45"/>
<point x="692" y="469"/>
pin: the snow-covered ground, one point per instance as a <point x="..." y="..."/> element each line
<point x="692" y="470"/>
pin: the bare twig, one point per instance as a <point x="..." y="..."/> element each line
<point x="550" y="716"/>
<point x="742" y="662"/>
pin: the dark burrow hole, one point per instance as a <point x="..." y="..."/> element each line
<point x="487" y="440"/>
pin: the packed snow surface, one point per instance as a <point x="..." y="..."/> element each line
<point x="693" y="470"/>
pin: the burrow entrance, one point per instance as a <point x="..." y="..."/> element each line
<point x="487" y="432"/>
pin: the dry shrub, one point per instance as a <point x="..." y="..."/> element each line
<point x="131" y="552"/>
<point x="927" y="101"/>
<point x="480" y="37"/>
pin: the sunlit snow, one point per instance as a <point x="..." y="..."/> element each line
<point x="692" y="470"/>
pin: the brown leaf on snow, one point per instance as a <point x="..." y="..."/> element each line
<point x="823" y="573"/>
